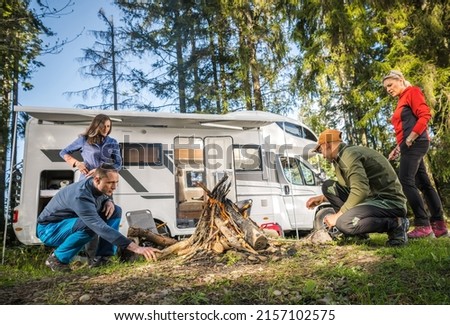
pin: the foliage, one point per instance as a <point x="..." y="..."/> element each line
<point x="106" y="62"/>
<point x="20" y="45"/>
<point x="211" y="56"/>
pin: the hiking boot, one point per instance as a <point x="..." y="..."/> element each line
<point x="397" y="236"/>
<point x="421" y="232"/>
<point x="439" y="228"/>
<point x="99" y="261"/>
<point x="55" y="265"/>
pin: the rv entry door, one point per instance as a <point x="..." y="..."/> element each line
<point x="219" y="161"/>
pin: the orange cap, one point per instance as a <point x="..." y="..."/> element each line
<point x="328" y="135"/>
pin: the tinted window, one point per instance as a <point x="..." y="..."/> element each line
<point x="297" y="130"/>
<point x="247" y="157"/>
<point x="142" y="154"/>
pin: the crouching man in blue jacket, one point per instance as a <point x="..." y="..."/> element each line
<point x="78" y="212"/>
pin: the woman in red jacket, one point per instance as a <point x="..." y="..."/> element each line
<point x="410" y="121"/>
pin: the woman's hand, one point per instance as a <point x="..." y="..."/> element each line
<point x="394" y="153"/>
<point x="82" y="168"/>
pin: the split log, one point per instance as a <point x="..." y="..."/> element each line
<point x="253" y="234"/>
<point x="147" y="234"/>
<point x="174" y="248"/>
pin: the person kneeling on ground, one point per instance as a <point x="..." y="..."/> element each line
<point x="367" y="195"/>
<point x="76" y="213"/>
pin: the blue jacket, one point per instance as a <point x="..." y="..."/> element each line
<point x="94" y="154"/>
<point x="82" y="200"/>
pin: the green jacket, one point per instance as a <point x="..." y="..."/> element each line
<point x="369" y="177"/>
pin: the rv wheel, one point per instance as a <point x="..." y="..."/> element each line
<point x="320" y="224"/>
<point x="162" y="228"/>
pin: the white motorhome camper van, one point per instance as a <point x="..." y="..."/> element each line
<point x="165" y="155"/>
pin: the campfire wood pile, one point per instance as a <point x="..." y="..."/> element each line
<point x="222" y="226"/>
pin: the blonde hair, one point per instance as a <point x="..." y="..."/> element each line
<point x="395" y="74"/>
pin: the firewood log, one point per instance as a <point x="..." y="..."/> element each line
<point x="252" y="233"/>
<point x="151" y="236"/>
<point x="174" y="248"/>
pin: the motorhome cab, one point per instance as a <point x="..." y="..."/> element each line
<point x="165" y="155"/>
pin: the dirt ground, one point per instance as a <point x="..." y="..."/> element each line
<point x="275" y="276"/>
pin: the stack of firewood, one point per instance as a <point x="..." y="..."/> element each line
<point x="222" y="226"/>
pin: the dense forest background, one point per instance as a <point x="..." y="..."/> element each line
<point x="323" y="60"/>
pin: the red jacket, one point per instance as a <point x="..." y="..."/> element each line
<point x="411" y="114"/>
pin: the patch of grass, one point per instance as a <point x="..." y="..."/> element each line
<point x="231" y="258"/>
<point x="193" y="298"/>
<point x="23" y="263"/>
<point x="366" y="273"/>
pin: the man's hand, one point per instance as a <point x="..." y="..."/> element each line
<point x="315" y="201"/>
<point x="330" y="220"/>
<point x="108" y="209"/>
<point x="148" y="252"/>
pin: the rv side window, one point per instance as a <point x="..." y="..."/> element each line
<point x="142" y="154"/>
<point x="309" y="135"/>
<point x="297" y="130"/>
<point x="247" y="157"/>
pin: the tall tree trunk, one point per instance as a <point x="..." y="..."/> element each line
<point x="223" y="79"/>
<point x="194" y="61"/>
<point x="4" y="137"/>
<point x="245" y="66"/>
<point x="181" y="76"/>
<point x="215" y="72"/>
<point x="114" y="71"/>
<point x="255" y="78"/>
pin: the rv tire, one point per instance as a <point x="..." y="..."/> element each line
<point x="320" y="224"/>
<point x="162" y="228"/>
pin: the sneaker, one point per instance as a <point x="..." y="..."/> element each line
<point x="55" y="265"/>
<point x="421" y="232"/>
<point x="99" y="261"/>
<point x="439" y="228"/>
<point x="397" y="236"/>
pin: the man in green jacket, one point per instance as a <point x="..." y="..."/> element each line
<point x="367" y="195"/>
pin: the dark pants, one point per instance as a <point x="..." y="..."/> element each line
<point x="414" y="178"/>
<point x="361" y="219"/>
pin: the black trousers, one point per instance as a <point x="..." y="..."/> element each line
<point x="361" y="219"/>
<point x="414" y="178"/>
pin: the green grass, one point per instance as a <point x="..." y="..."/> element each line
<point x="365" y="273"/>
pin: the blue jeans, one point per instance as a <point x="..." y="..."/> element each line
<point x="71" y="234"/>
<point x="414" y="178"/>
